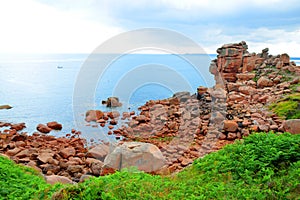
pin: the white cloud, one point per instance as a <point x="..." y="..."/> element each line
<point x="31" y="27"/>
<point x="277" y="40"/>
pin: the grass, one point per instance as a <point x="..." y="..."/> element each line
<point x="288" y="107"/>
<point x="262" y="166"/>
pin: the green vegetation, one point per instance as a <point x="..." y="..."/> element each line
<point x="288" y="107"/>
<point x="18" y="181"/>
<point x="262" y="166"/>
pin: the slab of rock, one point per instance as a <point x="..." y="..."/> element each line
<point x="264" y="82"/>
<point x="54" y="125"/>
<point x="146" y="157"/>
<point x="52" y="179"/>
<point x="67" y="152"/>
<point x="45" y="157"/>
<point x="99" y="152"/>
<point x="292" y="126"/>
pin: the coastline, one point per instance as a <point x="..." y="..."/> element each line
<point x="183" y="127"/>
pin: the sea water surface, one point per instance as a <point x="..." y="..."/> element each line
<point x="40" y="88"/>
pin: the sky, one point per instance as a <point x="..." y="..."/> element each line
<point x="79" y="26"/>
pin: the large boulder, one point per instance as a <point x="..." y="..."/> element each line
<point x="99" y="152"/>
<point x="146" y="157"/>
<point x="292" y="126"/>
<point x="53" y="179"/>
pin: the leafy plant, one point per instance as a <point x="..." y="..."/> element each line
<point x="18" y="181"/>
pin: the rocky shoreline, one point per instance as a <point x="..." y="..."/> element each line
<point x="180" y="129"/>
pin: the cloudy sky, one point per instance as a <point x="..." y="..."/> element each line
<point x="79" y="26"/>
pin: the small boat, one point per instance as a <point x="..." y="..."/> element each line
<point x="59" y="67"/>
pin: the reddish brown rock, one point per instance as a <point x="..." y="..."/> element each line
<point x="141" y="118"/>
<point x="54" y="125"/>
<point x="18" y="127"/>
<point x="13" y="152"/>
<point x="45" y="157"/>
<point x="285" y="59"/>
<point x="67" y="152"/>
<point x="247" y="90"/>
<point x="113" y="102"/>
<point x="53" y="179"/>
<point x="43" y="128"/>
<point x="146" y="157"/>
<point x="186" y="162"/>
<point x="113" y="122"/>
<point x="99" y="152"/>
<point x="292" y="126"/>
<point x="264" y="82"/>
<point x="230" y="126"/>
<point x="93" y="115"/>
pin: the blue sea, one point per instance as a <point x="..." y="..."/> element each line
<point x="62" y="87"/>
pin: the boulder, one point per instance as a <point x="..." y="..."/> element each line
<point x="58" y="179"/>
<point x="99" y="152"/>
<point x="219" y="93"/>
<point x="146" y="157"/>
<point x="245" y="76"/>
<point x="113" y="102"/>
<point x="264" y="82"/>
<point x="54" y="125"/>
<point x="292" y="126"/>
<point x="67" y="152"/>
<point x="18" y="127"/>
<point x="43" y="128"/>
<point x="247" y="90"/>
<point x="93" y="115"/>
<point x="5" y="107"/>
<point x="230" y="126"/>
<point x="285" y="59"/>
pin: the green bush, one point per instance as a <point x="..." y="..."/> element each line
<point x="18" y="181"/>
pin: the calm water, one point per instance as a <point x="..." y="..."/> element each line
<point x="40" y="87"/>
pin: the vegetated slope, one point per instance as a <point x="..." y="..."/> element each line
<point x="263" y="166"/>
<point x="18" y="181"/>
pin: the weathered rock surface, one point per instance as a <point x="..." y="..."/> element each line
<point x="292" y="126"/>
<point x="99" y="152"/>
<point x="52" y="179"/>
<point x="146" y="157"/>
